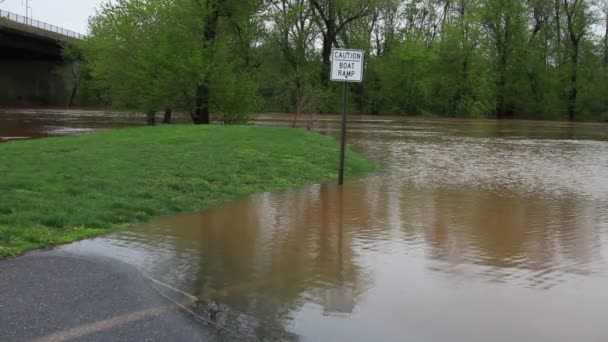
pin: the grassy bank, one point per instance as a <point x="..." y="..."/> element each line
<point x="59" y="190"/>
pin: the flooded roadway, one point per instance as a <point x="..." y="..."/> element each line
<point x="468" y="231"/>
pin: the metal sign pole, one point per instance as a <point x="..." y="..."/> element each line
<point x="346" y="66"/>
<point x="343" y="144"/>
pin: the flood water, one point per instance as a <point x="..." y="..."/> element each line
<point x="18" y="124"/>
<point x="468" y="231"/>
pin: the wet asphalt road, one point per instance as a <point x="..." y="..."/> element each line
<point x="58" y="296"/>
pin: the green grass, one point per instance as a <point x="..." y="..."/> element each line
<point x="58" y="190"/>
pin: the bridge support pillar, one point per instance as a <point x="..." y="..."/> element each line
<point x="33" y="83"/>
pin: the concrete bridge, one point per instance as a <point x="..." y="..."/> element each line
<point x="32" y="71"/>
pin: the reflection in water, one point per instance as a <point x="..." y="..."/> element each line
<point x="469" y="231"/>
<point x="265" y="256"/>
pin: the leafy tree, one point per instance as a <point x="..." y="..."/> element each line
<point x="577" y="26"/>
<point x="506" y="29"/>
<point x="333" y="17"/>
<point x="150" y="54"/>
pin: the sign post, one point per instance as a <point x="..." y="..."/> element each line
<point x="346" y="66"/>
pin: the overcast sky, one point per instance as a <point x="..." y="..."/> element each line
<point x="70" y="14"/>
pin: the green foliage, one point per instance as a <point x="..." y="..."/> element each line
<point x="234" y="96"/>
<point x="94" y="183"/>
<point x="234" y="93"/>
<point x="471" y="58"/>
<point x="148" y="55"/>
<point x="405" y="75"/>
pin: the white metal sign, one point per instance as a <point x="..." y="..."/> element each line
<point x="347" y="65"/>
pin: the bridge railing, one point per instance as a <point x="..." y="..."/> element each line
<point x="39" y="24"/>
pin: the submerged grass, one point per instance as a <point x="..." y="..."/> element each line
<point x="58" y="190"/>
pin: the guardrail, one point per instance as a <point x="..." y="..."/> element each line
<point x="39" y="24"/>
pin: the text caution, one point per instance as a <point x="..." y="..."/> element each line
<point x="347" y="65"/>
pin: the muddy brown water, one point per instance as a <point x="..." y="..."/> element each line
<point x="18" y="124"/>
<point x="468" y="231"/>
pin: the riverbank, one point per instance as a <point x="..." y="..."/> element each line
<point x="64" y="189"/>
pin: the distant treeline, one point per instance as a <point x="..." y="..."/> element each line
<point x="538" y="59"/>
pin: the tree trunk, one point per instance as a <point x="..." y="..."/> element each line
<point x="326" y="56"/>
<point x="572" y="94"/>
<point x="446" y="8"/>
<point x="168" y="116"/>
<point x="328" y="39"/>
<point x="151" y="118"/>
<point x="606" y="43"/>
<point x="558" y="32"/>
<point x="462" y="90"/>
<point x="75" y="79"/>
<point x="73" y="95"/>
<point x="501" y="109"/>
<point x="201" y="114"/>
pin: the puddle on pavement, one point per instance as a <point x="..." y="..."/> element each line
<point x="469" y="231"/>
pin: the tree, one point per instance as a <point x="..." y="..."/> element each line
<point x="602" y="8"/>
<point x="464" y="82"/>
<point x="294" y="33"/>
<point x="504" y="21"/>
<point x="72" y="55"/>
<point x="151" y="54"/>
<point x="384" y="25"/>
<point x="126" y="52"/>
<point x="332" y="17"/>
<point x="577" y="25"/>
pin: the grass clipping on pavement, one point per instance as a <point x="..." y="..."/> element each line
<point x="58" y="190"/>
